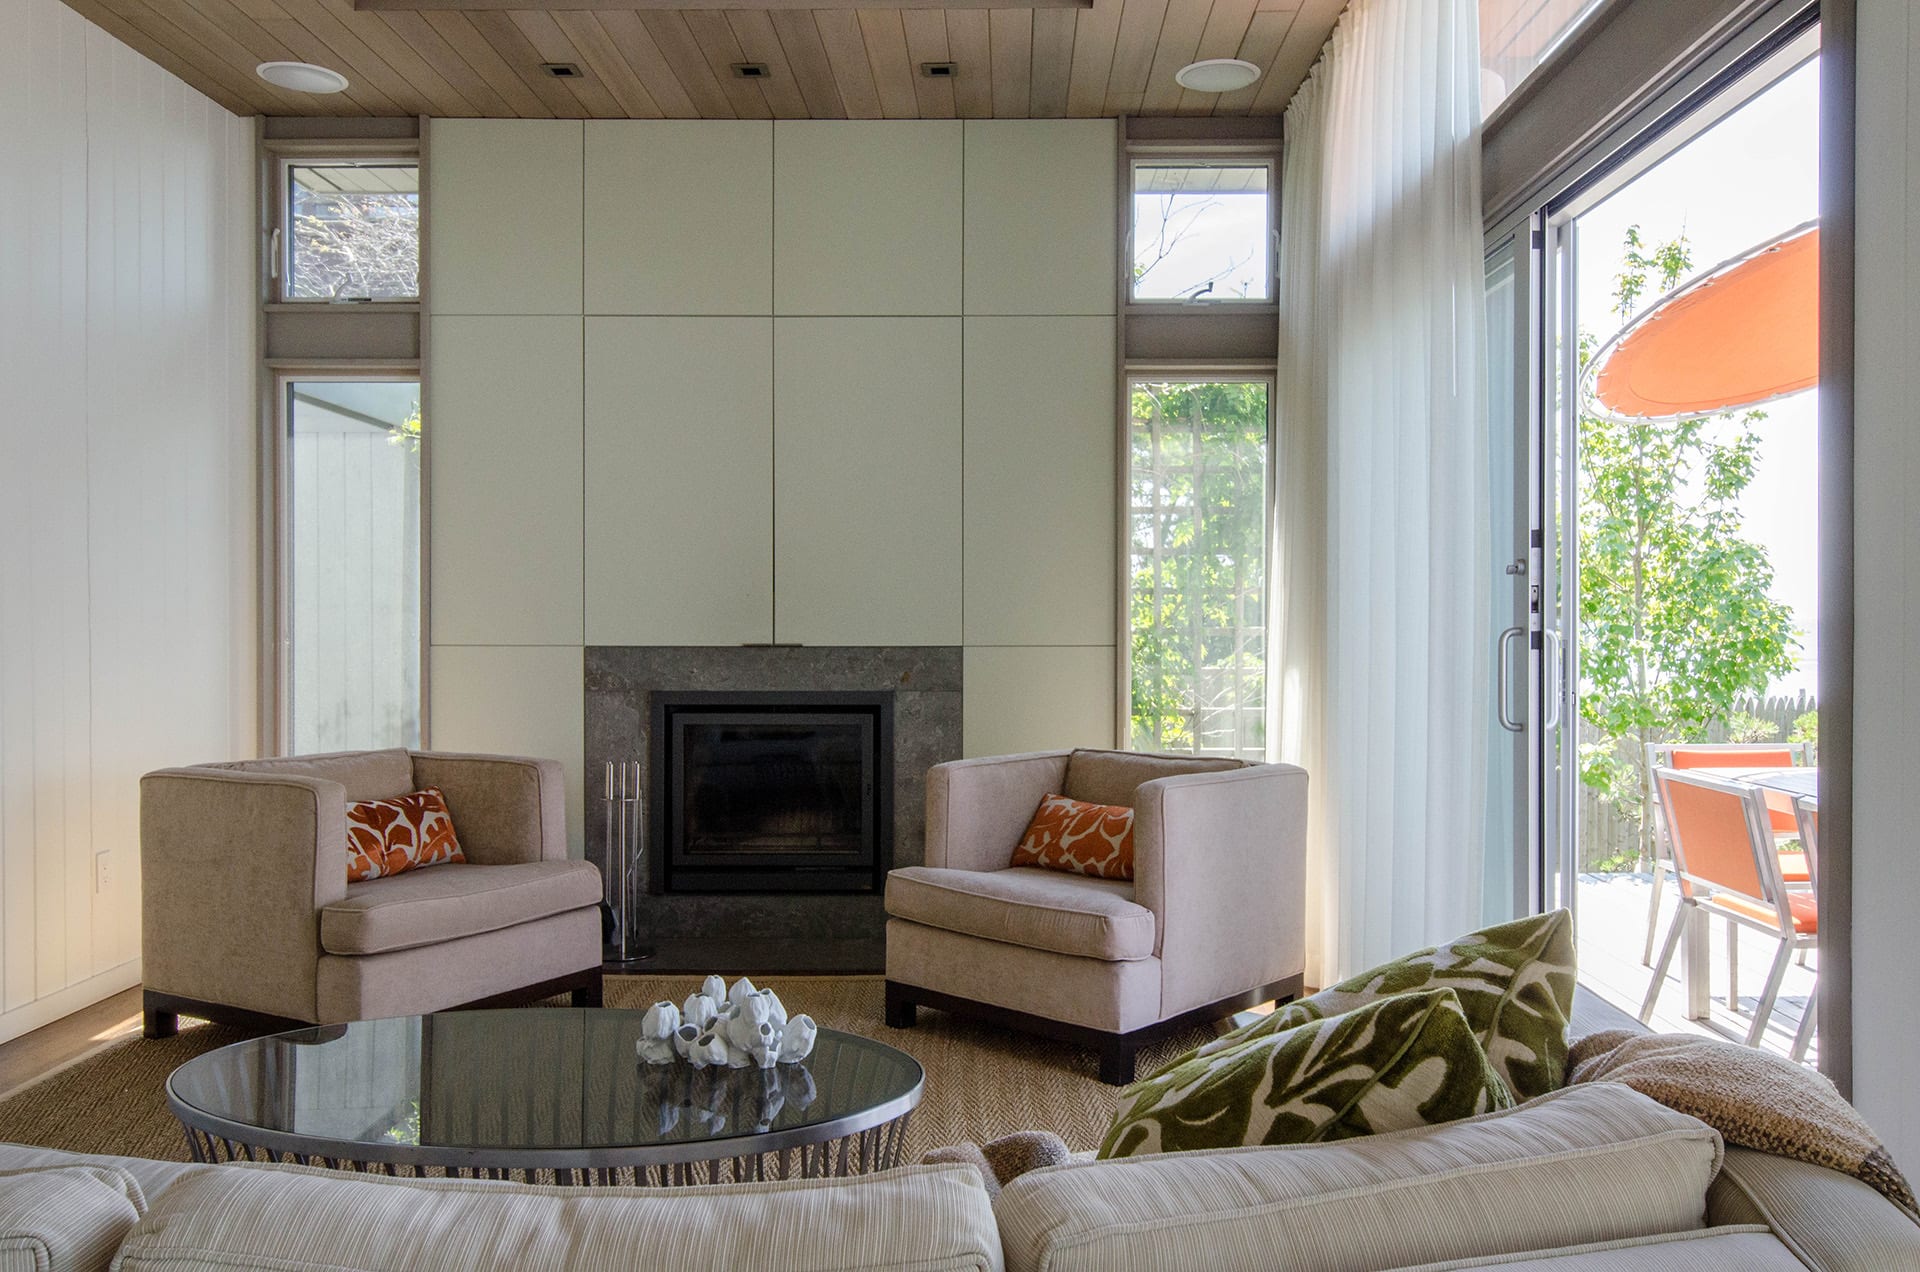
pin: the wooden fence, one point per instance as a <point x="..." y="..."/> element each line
<point x="355" y="591"/>
<point x="1607" y="833"/>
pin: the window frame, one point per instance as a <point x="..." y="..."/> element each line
<point x="277" y="458"/>
<point x="1197" y="371"/>
<point x="1192" y="154"/>
<point x="316" y="340"/>
<point x="285" y="155"/>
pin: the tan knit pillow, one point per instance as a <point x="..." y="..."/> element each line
<point x="1753" y="1098"/>
<point x="1004" y="1160"/>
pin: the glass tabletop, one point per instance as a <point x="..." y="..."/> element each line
<point x="1790" y="781"/>
<point x="543" y="1084"/>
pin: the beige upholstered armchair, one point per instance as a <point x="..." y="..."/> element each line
<point x="1211" y="923"/>
<point x="248" y="916"/>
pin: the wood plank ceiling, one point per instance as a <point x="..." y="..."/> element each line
<point x="1117" y="57"/>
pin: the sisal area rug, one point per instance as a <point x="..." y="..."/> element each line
<point x="982" y="1082"/>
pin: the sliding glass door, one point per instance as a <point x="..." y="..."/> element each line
<point x="1646" y="334"/>
<point x="1522" y="652"/>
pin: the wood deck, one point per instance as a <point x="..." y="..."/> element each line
<point x="1611" y="916"/>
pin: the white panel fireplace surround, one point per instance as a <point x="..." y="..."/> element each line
<point x="771" y="429"/>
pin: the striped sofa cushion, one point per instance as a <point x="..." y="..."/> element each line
<point x="295" y="1219"/>
<point x="1832" y="1220"/>
<point x="152" y="1177"/>
<point x="1591" y="1163"/>
<point x="1736" y="1248"/>
<point x="65" y="1218"/>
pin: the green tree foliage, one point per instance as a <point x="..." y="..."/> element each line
<point x="1676" y="620"/>
<point x="351" y="246"/>
<point x="408" y="434"/>
<point x="1197" y="527"/>
<point x="1748" y="729"/>
<point x="1806" y="728"/>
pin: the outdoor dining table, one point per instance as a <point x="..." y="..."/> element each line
<point x="1792" y="782"/>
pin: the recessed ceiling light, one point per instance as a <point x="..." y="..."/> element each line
<point x="1217" y="75"/>
<point x="301" y="77"/>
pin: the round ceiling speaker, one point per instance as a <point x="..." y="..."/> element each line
<point x="301" y="77"/>
<point x="1217" y="75"/>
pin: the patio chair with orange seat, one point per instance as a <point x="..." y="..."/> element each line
<point x="1719" y="755"/>
<point x="1806" y="812"/>
<point x="1721" y="836"/>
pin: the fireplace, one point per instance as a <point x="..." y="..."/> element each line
<point x="771" y="792"/>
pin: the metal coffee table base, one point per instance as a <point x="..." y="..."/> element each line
<point x="875" y="1149"/>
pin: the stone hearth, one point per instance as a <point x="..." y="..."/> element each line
<point x="789" y="933"/>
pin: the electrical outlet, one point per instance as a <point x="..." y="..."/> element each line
<point x="100" y="875"/>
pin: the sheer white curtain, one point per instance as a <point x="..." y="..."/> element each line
<point x="1382" y="648"/>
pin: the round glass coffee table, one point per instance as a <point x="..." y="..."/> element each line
<point x="541" y="1093"/>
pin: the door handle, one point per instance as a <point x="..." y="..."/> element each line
<point x="1558" y="662"/>
<point x="1503" y="706"/>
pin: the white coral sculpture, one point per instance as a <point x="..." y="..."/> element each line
<point x="735" y="1027"/>
<point x="657" y="1028"/>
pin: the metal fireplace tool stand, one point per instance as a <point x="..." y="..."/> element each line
<point x="625" y="869"/>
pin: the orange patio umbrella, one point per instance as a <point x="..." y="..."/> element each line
<point x="1746" y="331"/>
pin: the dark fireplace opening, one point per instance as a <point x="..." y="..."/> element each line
<point x="772" y="792"/>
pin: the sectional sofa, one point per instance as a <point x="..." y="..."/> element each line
<point x="1591" y="1178"/>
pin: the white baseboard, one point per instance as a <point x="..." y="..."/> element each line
<point x="64" y="1002"/>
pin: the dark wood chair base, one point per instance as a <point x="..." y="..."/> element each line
<point x="161" y="1011"/>
<point x="1116" y="1051"/>
<point x="588" y="995"/>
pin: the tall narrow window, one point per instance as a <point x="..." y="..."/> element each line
<point x="351" y="563"/>
<point x="352" y="231"/>
<point x="1197" y="591"/>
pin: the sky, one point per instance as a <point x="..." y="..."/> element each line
<point x="1184" y="241"/>
<point x="1749" y="178"/>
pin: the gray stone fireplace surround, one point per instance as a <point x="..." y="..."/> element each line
<point x="787" y="932"/>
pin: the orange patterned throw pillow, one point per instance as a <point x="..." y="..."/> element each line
<point x="387" y="836"/>
<point x="1088" y="839"/>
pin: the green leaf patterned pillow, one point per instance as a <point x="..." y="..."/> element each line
<point x="1406" y="1061"/>
<point x="1515" y="983"/>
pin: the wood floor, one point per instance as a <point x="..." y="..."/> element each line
<point x="33" y="1055"/>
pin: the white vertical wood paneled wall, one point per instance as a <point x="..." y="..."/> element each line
<point x="710" y="383"/>
<point x="1886" y="563"/>
<point x="127" y="483"/>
